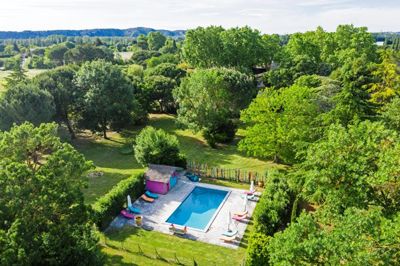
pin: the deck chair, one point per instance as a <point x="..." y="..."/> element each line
<point x="229" y="239"/>
<point x="239" y="218"/>
<point x="130" y="206"/>
<point x="151" y="195"/>
<point x="127" y="214"/>
<point x="147" y="199"/>
<point x="178" y="230"/>
<point x="244" y="213"/>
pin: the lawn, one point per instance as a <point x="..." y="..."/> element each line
<point x="121" y="247"/>
<point x="107" y="156"/>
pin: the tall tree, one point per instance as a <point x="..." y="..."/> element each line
<point x="108" y="97"/>
<point x="210" y="101"/>
<point x="43" y="217"/>
<point x="60" y="84"/>
<point x="25" y="102"/>
<point x="156" y="40"/>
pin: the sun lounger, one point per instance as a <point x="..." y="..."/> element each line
<point x="230" y="233"/>
<point x="244" y="213"/>
<point x="239" y="218"/>
<point x="178" y="230"/>
<point x="134" y="210"/>
<point x="228" y="238"/>
<point x="127" y="214"/>
<point x="151" y="195"/>
<point x="147" y="199"/>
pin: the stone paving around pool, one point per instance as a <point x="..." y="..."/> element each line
<point x="155" y="214"/>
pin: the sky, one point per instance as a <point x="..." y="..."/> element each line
<point x="269" y="16"/>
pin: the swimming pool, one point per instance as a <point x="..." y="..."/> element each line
<point x="199" y="208"/>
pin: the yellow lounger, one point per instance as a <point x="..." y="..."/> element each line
<point x="228" y="238"/>
<point x="240" y="213"/>
<point x="145" y="198"/>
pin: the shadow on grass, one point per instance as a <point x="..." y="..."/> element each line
<point x="116" y="260"/>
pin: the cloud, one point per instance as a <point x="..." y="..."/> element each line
<point x="269" y="16"/>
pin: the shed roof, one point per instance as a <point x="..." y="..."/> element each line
<point x="160" y="173"/>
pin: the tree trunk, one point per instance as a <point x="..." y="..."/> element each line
<point x="69" y="126"/>
<point x="105" y="133"/>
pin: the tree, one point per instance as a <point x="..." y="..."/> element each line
<point x="157" y="147"/>
<point x="60" y="84"/>
<point x="359" y="237"/>
<point x="18" y="75"/>
<point x="386" y="79"/>
<point x="108" y="97"/>
<point x="56" y="54"/>
<point x="43" y="218"/>
<point x="87" y="52"/>
<point x="158" y="90"/>
<point x="167" y="70"/>
<point x="353" y="167"/>
<point x="25" y="102"/>
<point x="142" y="42"/>
<point x="169" y="47"/>
<point x="140" y="57"/>
<point x="390" y="114"/>
<point x="217" y="47"/>
<point x="155" y="40"/>
<point x="210" y="101"/>
<point x="286" y="119"/>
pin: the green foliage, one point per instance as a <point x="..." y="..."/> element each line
<point x="158" y="147"/>
<point x="390" y="114"/>
<point x="359" y="237"/>
<point x="156" y="40"/>
<point x="273" y="210"/>
<point x="353" y="167"/>
<point x="286" y="119"/>
<point x="87" y="52"/>
<point x="56" y="54"/>
<point x="168" y="70"/>
<point x="210" y="100"/>
<point x="140" y="57"/>
<point x="21" y="103"/>
<point x="386" y="78"/>
<point x="164" y="58"/>
<point x="257" y="250"/>
<point x="43" y="218"/>
<point x="108" y="97"/>
<point x="170" y="47"/>
<point x="236" y="47"/>
<point x="60" y="84"/>
<point x="135" y="71"/>
<point x="158" y="90"/>
<point x="107" y="207"/>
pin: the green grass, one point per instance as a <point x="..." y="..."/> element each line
<point x="122" y="248"/>
<point x="107" y="156"/>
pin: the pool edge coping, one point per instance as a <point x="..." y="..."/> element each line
<point x="212" y="218"/>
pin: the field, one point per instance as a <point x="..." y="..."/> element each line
<point x="121" y="247"/>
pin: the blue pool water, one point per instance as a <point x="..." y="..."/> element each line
<point x="199" y="207"/>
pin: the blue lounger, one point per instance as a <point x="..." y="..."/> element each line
<point x="151" y="195"/>
<point x="134" y="210"/>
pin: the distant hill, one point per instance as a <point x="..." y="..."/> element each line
<point x="132" y="32"/>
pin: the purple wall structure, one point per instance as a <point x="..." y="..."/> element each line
<point x="157" y="187"/>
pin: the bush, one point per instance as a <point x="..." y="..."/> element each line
<point x="223" y="133"/>
<point x="109" y="206"/>
<point x="257" y="250"/>
<point x="158" y="147"/>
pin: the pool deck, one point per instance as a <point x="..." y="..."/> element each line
<point x="155" y="214"/>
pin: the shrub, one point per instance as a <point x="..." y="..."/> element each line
<point x="257" y="250"/>
<point x="273" y="210"/>
<point x="108" y="206"/>
<point x="158" y="147"/>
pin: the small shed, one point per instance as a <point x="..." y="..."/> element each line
<point x="161" y="178"/>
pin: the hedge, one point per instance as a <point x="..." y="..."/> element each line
<point x="272" y="214"/>
<point x="109" y="206"/>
